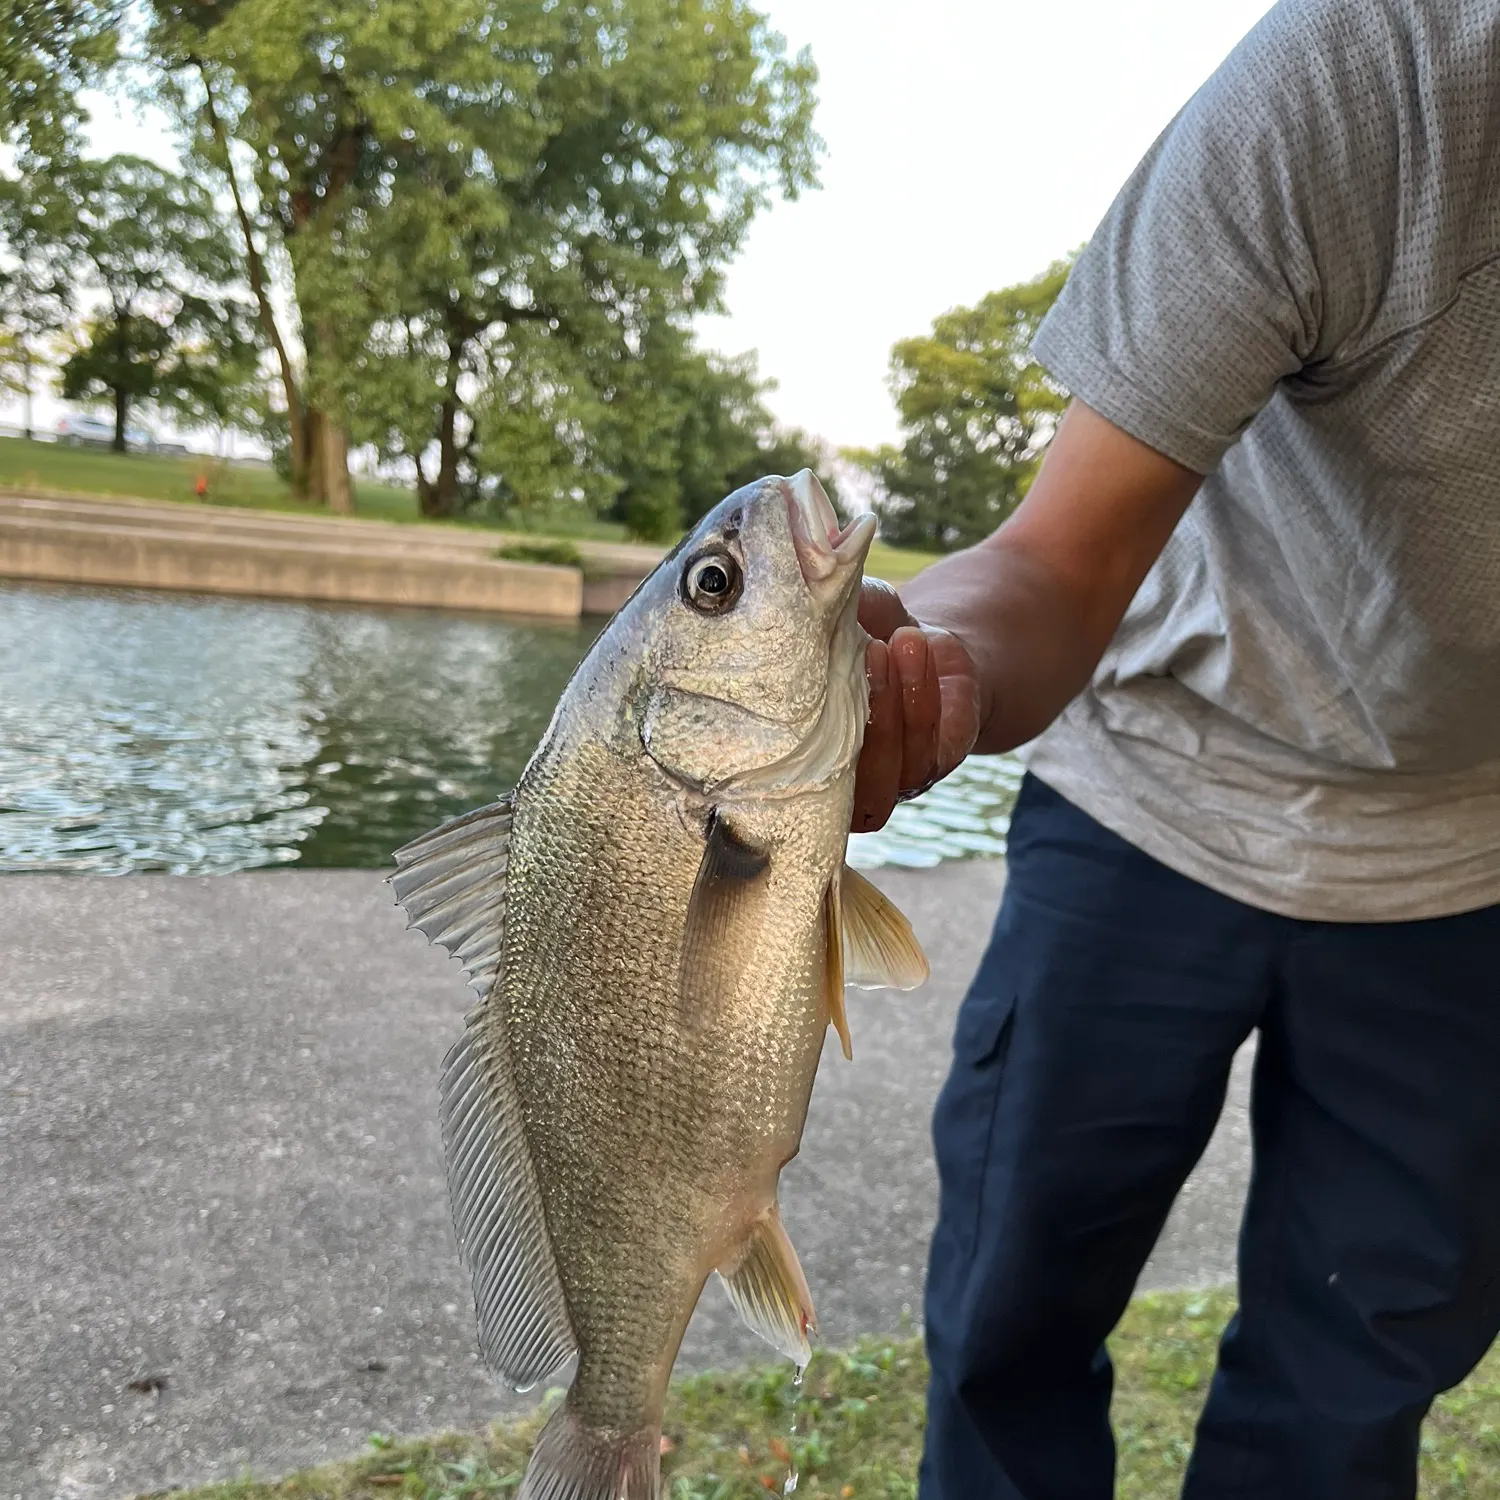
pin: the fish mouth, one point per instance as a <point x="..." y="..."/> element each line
<point x="823" y="547"/>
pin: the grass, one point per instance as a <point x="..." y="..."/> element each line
<point x="896" y="564"/>
<point x="858" y="1430"/>
<point x="50" y="469"/>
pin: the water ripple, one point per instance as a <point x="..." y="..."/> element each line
<point x="199" y="735"/>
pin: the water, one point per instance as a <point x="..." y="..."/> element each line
<point x="143" y="731"/>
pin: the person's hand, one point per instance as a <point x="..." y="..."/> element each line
<point x="924" y="707"/>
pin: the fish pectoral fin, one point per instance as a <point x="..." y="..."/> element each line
<point x="769" y="1291"/>
<point x="451" y="884"/>
<point x="880" y="949"/>
<point x="724" y="904"/>
<point x="833" y="966"/>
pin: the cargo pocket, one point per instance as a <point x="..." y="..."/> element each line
<point x="963" y="1126"/>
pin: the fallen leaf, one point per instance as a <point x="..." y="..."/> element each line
<point x="781" y="1450"/>
<point x="147" y="1385"/>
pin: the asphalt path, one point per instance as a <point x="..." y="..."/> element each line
<point x="224" y="1236"/>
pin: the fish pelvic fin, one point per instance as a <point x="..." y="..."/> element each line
<point x="726" y="899"/>
<point x="451" y="883"/>
<point x="573" y="1461"/>
<point x="833" y="965"/>
<point x="769" y="1291"/>
<point x="880" y="949"/>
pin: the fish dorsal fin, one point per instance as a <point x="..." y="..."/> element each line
<point x="769" y="1291"/>
<point x="880" y="949"/>
<point x="726" y="897"/>
<point x="833" y="964"/>
<point x="451" y="883"/>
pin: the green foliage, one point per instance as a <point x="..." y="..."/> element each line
<point x="49" y="51"/>
<point x="150" y="245"/>
<point x="558" y="554"/>
<point x="689" y="427"/>
<point x="490" y="214"/>
<point x="978" y="413"/>
<point x="36" y="289"/>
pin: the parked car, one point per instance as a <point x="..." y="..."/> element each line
<point x="80" y="429"/>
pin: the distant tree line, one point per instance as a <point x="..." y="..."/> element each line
<point x="471" y="235"/>
<point x="977" y="412"/>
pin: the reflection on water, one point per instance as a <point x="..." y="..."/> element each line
<point x="145" y="731"/>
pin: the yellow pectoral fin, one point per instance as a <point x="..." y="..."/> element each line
<point x="768" y="1289"/>
<point x="833" y="966"/>
<point x="880" y="951"/>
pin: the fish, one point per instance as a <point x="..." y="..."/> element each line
<point x="659" y="924"/>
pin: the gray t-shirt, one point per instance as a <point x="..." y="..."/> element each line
<point x="1298" y="294"/>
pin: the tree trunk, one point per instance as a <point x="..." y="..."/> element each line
<point x="328" y="464"/>
<point x="122" y="409"/>
<point x="439" y="497"/>
<point x="26" y="394"/>
<point x="296" y="412"/>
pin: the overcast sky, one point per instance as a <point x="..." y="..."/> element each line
<point x="970" y="143"/>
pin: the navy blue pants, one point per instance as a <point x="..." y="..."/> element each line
<point x="1090" y="1064"/>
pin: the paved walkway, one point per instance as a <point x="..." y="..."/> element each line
<point x="225" y="1242"/>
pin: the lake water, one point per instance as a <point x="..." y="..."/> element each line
<point x="195" y="735"/>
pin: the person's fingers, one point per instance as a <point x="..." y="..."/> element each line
<point x="913" y="667"/>
<point x="881" y="611"/>
<point x="877" y="780"/>
<point x="958" y="686"/>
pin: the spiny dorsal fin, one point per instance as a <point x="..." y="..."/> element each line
<point x="769" y="1291"/>
<point x="880" y="949"/>
<point x="726" y="896"/>
<point x="451" y="883"/>
<point x="833" y="965"/>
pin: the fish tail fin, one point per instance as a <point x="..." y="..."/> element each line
<point x="573" y="1461"/>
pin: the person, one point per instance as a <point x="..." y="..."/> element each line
<point x="1246" y="626"/>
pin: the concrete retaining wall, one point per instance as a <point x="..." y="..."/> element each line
<point x="146" y="544"/>
<point x="154" y="557"/>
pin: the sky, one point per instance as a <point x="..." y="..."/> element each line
<point x="969" y="144"/>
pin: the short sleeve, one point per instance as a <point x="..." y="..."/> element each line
<point x="1245" y="246"/>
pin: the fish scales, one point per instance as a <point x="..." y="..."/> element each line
<point x="659" y="924"/>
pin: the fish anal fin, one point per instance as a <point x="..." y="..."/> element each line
<point x="725" y="903"/>
<point x="880" y="949"/>
<point x="833" y="966"/>
<point x="768" y="1289"/>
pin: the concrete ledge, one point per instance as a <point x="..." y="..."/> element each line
<point x="279" y="566"/>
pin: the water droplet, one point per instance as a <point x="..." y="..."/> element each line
<point x="792" y="1477"/>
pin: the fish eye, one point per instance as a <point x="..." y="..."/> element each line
<point x="711" y="582"/>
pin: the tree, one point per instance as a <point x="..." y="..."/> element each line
<point x="468" y="196"/>
<point x="36" y="290"/>
<point x="978" y="413"/>
<point x="151" y="243"/>
<point x="50" y="50"/>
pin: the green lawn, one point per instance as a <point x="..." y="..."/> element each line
<point x="859" y="1425"/>
<point x="48" y="468"/>
<point x="896" y="564"/>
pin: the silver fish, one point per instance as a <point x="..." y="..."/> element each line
<point x="659" y="924"/>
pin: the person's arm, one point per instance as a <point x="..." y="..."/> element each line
<point x="984" y="649"/>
